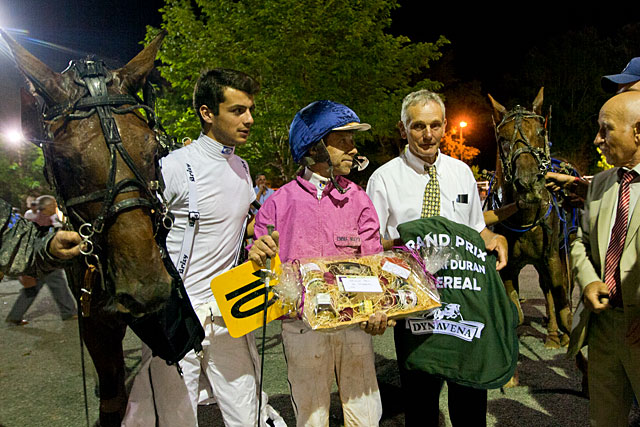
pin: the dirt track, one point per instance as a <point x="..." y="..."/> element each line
<point x="41" y="379"/>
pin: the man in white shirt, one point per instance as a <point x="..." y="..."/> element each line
<point x="397" y="190"/>
<point x="210" y="190"/>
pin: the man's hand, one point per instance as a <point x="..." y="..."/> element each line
<point x="558" y="181"/>
<point x="388" y="244"/>
<point x="596" y="296"/>
<point x="377" y="323"/>
<point x="633" y="333"/>
<point x="496" y="243"/>
<point x="265" y="246"/>
<point x="65" y="244"/>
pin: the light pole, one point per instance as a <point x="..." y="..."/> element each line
<point x="463" y="124"/>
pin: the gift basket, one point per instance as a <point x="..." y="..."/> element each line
<point x="337" y="292"/>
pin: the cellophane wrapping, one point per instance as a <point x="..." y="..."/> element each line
<point x="337" y="292"/>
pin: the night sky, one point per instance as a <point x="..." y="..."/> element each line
<point x="484" y="38"/>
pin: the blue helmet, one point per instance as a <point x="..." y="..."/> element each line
<point x="315" y="121"/>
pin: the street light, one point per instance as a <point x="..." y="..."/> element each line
<point x="463" y="124"/>
<point x="14" y="136"/>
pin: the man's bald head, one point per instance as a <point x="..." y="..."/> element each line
<point x="627" y="104"/>
<point x="619" y="134"/>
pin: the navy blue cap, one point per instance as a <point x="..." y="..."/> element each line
<point x="630" y="74"/>
<point x="315" y="121"/>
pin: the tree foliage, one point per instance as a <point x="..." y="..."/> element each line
<point x="453" y="146"/>
<point x="21" y="173"/>
<point x="300" y="52"/>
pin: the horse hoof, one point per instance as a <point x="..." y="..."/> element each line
<point x="514" y="298"/>
<point x="513" y="382"/>
<point x="564" y="340"/>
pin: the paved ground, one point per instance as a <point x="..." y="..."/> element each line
<point x="41" y="379"/>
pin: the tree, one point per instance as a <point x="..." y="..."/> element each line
<point x="457" y="149"/>
<point x="300" y="52"/>
<point x="21" y="173"/>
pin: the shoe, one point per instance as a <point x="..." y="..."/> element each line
<point x="72" y="317"/>
<point x="20" y="322"/>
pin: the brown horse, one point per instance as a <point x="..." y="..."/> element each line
<point x="533" y="233"/>
<point x="101" y="158"/>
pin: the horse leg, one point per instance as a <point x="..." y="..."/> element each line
<point x="560" y="290"/>
<point x="507" y="274"/>
<point x="510" y="285"/>
<point x="553" y="336"/>
<point x="583" y="366"/>
<point x="103" y="338"/>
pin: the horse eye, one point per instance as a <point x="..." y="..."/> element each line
<point x="542" y="132"/>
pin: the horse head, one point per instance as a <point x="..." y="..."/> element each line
<point x="523" y="151"/>
<point x="101" y="158"/>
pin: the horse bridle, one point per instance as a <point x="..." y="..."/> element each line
<point x="541" y="155"/>
<point x="95" y="78"/>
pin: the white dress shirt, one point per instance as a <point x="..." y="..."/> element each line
<point x="397" y="190"/>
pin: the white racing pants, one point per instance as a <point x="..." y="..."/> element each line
<point x="231" y="366"/>
<point x="158" y="389"/>
<point x="314" y="359"/>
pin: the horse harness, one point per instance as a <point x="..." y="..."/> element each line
<point x="95" y="78"/>
<point x="541" y="155"/>
<point x="508" y="158"/>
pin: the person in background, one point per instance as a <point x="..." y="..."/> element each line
<point x="23" y="250"/>
<point x="262" y="190"/>
<point x="32" y="213"/>
<point x="628" y="79"/>
<point x="56" y="280"/>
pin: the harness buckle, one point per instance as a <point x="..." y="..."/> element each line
<point x="193" y="217"/>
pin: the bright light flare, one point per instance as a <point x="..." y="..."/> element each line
<point x="463" y="124"/>
<point x="14" y="136"/>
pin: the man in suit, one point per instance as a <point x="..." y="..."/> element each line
<point x="604" y="259"/>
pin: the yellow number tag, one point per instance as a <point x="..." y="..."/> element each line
<point x="239" y="293"/>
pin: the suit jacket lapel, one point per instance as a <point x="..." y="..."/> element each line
<point x="633" y="225"/>
<point x="605" y="216"/>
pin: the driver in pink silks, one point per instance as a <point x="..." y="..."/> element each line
<point x="319" y="214"/>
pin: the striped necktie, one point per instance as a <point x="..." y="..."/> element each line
<point x="616" y="243"/>
<point x="431" y="199"/>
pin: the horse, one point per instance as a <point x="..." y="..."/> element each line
<point x="534" y="232"/>
<point x="101" y="157"/>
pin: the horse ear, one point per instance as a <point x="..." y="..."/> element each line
<point x="133" y="75"/>
<point x="46" y="82"/>
<point x="498" y="110"/>
<point x="537" y="103"/>
<point x="30" y="116"/>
